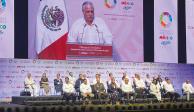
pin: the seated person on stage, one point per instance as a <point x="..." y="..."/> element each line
<point x="148" y="81"/>
<point x="170" y="92"/>
<point x="110" y="79"/>
<point x="68" y="90"/>
<point x="86" y="90"/>
<point x="85" y="77"/>
<point x="188" y="88"/>
<point x="114" y="90"/>
<point x="95" y="80"/>
<point x="99" y="89"/>
<point x="44" y="83"/>
<point x="58" y="84"/>
<point x="139" y="84"/>
<point x="164" y="82"/>
<point x="78" y="82"/>
<point x="159" y="79"/>
<point x="127" y="89"/>
<point x="29" y="83"/>
<point x="123" y="77"/>
<point x="155" y="89"/>
<point x="110" y="76"/>
<point x="71" y="78"/>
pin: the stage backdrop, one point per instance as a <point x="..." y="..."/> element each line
<point x="14" y="71"/>
<point x="165" y="31"/>
<point x="7" y="29"/>
<point x="190" y="30"/>
<point x="123" y="17"/>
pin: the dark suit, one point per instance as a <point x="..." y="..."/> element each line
<point x="58" y="83"/>
<point x="99" y="90"/>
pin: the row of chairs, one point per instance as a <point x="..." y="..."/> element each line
<point x="119" y="96"/>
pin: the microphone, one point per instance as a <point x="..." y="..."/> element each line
<point x="99" y="36"/>
<point x="96" y="28"/>
<point x="80" y="35"/>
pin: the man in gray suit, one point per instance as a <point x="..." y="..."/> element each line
<point x="99" y="89"/>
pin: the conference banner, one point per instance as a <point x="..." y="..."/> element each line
<point x="190" y="30"/>
<point x="110" y="16"/>
<point x="14" y="71"/>
<point x="165" y="31"/>
<point x="6" y="28"/>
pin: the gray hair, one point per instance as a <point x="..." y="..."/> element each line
<point x="87" y="3"/>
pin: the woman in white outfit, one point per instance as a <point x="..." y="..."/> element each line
<point x="155" y="90"/>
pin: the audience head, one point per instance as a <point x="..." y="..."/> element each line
<point x="58" y="76"/>
<point x="159" y="76"/>
<point x="98" y="79"/>
<point x="29" y="75"/>
<point x="85" y="81"/>
<point x="137" y="76"/>
<point x="166" y="78"/>
<point x="67" y="80"/>
<point x="81" y="76"/>
<point x="159" y="79"/>
<point x="44" y="75"/>
<point x="71" y="74"/>
<point x="147" y="76"/>
<point x="124" y="75"/>
<point x="187" y="81"/>
<point x="98" y="75"/>
<point x="84" y="76"/>
<point x="168" y="81"/>
<point x="112" y="80"/>
<point x="154" y="81"/>
<point x="154" y="78"/>
<point x="126" y="80"/>
<point x="110" y="75"/>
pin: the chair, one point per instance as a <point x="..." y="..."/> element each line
<point x="41" y="91"/>
<point x="26" y="91"/>
<point x="188" y="96"/>
<point x="58" y="87"/>
<point x="140" y="93"/>
<point x="114" y="94"/>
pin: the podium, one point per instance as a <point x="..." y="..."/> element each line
<point x="89" y="52"/>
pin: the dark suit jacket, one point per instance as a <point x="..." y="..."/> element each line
<point x="58" y="85"/>
<point x="99" y="87"/>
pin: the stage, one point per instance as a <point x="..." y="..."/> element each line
<point x="55" y="103"/>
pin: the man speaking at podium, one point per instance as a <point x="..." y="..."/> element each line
<point x="89" y="29"/>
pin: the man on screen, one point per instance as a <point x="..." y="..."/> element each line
<point x="89" y="29"/>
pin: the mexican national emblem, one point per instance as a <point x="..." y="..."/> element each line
<point x="52" y="18"/>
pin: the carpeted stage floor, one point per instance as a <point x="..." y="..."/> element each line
<point x="55" y="104"/>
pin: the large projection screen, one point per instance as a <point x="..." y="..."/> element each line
<point x="7" y="29"/>
<point x="124" y="19"/>
<point x="190" y="30"/>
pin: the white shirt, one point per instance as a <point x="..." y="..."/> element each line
<point x="126" y="87"/>
<point x="163" y="83"/>
<point x="68" y="88"/>
<point x="85" y="88"/>
<point x="96" y="33"/>
<point x="29" y="81"/>
<point x="148" y="81"/>
<point x="187" y="87"/>
<point x="169" y="87"/>
<point x="154" y="88"/>
<point x="72" y="80"/>
<point x="139" y="83"/>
